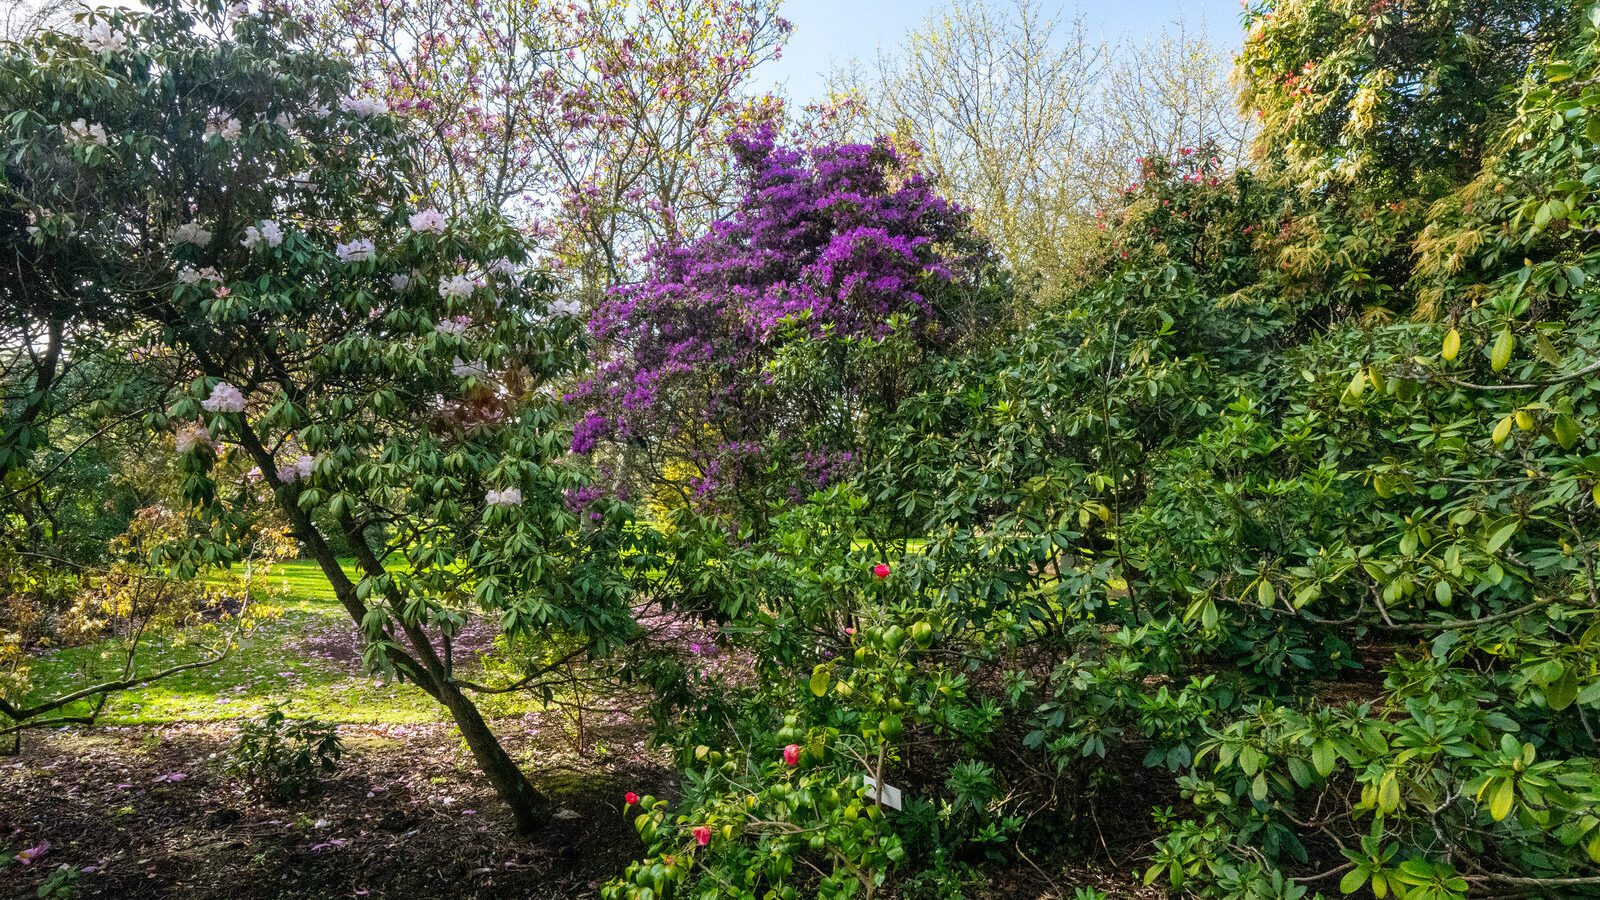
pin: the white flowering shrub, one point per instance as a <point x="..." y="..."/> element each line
<point x="196" y="177"/>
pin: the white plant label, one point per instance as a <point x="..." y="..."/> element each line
<point x="891" y="794"/>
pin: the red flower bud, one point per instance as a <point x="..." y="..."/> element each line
<point x="630" y="798"/>
<point x="702" y="835"/>
<point x="791" y="755"/>
<point x="881" y="570"/>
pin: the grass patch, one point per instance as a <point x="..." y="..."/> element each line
<point x="307" y="658"/>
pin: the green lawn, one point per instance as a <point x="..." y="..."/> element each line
<point x="306" y="658"/>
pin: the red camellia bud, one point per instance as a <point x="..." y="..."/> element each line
<point x="702" y="835"/>
<point x="630" y="798"/>
<point x="881" y="570"/>
<point x="791" y="755"/>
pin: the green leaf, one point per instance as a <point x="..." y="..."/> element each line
<point x="1500" y="354"/>
<point x="1323" y="757"/>
<point x="1388" y="792"/>
<point x="819" y="681"/>
<point x="1501" y="535"/>
<point x="1266" y="594"/>
<point x="1500" y="799"/>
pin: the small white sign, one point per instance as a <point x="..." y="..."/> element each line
<point x="891" y="794"/>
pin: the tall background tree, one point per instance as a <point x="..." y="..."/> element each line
<point x="1029" y="123"/>
<point x="599" y="126"/>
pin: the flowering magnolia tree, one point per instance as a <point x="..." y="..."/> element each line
<point x="379" y="373"/>
<point x="599" y="122"/>
<point x="738" y="370"/>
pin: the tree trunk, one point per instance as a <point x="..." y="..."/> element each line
<point x="530" y="809"/>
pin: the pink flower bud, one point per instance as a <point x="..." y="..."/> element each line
<point x="791" y="755"/>
<point x="630" y="798"/>
<point x="702" y="835"/>
<point x="881" y="570"/>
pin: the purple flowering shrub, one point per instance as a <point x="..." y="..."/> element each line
<point x="739" y="366"/>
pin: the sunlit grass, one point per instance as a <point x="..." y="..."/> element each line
<point x="306" y="656"/>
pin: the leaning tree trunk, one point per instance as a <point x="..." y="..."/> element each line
<point x="530" y="809"/>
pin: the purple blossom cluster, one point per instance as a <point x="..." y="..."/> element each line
<point x="827" y="243"/>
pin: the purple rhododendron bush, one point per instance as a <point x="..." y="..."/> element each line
<point x="413" y="482"/>
<point x="742" y="368"/>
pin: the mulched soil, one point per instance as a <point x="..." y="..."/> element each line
<point x="148" y="812"/>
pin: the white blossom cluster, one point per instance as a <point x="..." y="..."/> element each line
<point x="191" y="276"/>
<point x="428" y="220"/>
<point x="101" y="39"/>
<point x="297" y="470"/>
<point x="266" y="230"/>
<point x="228" y="128"/>
<point x="459" y="286"/>
<point x="456" y="326"/>
<point x="357" y="250"/>
<point x="365" y="107"/>
<point x="225" y="398"/>
<point x="565" y="307"/>
<point x="84" y="132"/>
<point x="399" y="282"/>
<point x="191" y="233"/>
<point x="509" y="497"/>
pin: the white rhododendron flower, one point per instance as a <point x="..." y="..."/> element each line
<point x="237" y="12"/>
<point x="366" y="107"/>
<point x="509" y="497"/>
<point x="457" y="286"/>
<point x="565" y="307"/>
<point x="267" y="230"/>
<point x="298" y="470"/>
<point x="85" y="132"/>
<point x="399" y="282"/>
<point x="428" y="220"/>
<point x="284" y="121"/>
<point x="356" y="251"/>
<point x="191" y="276"/>
<point x="194" y="435"/>
<point x="228" y="128"/>
<point x="191" y="233"/>
<point x="225" y="398"/>
<point x="457" y="326"/>
<point x="101" y="39"/>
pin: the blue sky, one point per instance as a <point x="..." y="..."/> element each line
<point x="832" y="31"/>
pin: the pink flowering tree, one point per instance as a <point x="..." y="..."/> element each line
<point x="380" y="374"/>
<point x="598" y="124"/>
<point x="740" y="370"/>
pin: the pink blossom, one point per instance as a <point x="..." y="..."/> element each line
<point x="32" y="855"/>
<point x="702" y="835"/>
<point x="791" y="755"/>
